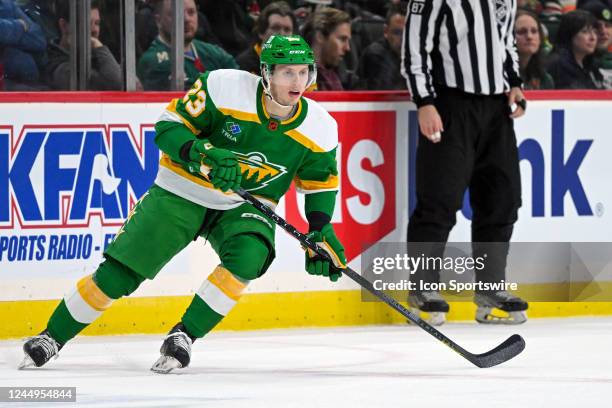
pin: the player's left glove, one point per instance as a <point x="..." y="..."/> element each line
<point x="224" y="173"/>
<point x="316" y="264"/>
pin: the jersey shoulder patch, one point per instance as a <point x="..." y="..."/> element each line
<point x="320" y="127"/>
<point x="233" y="90"/>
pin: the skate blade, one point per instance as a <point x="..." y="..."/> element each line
<point x="26" y="363"/>
<point x="165" y="364"/>
<point x="509" y="318"/>
<point x="433" y="318"/>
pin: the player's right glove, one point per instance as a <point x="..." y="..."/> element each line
<point x="329" y="242"/>
<point x="225" y="173"/>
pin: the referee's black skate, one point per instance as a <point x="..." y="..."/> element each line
<point x="513" y="308"/>
<point x="430" y="302"/>
<point x="39" y="350"/>
<point x="175" y="350"/>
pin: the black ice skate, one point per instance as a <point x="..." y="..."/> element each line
<point x="38" y="350"/>
<point x="175" y="350"/>
<point x="514" y="308"/>
<point x="431" y="303"/>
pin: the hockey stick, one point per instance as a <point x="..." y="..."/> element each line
<point x="502" y="353"/>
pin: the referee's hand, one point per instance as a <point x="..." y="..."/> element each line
<point x="515" y="96"/>
<point x="430" y="123"/>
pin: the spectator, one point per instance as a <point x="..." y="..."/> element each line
<point x="275" y="18"/>
<point x="573" y="64"/>
<point x="534" y="6"/>
<point x="111" y="12"/>
<point x="381" y="60"/>
<point x="146" y="28"/>
<point x="22" y="47"/>
<point x="529" y="44"/>
<point x="603" y="57"/>
<point x="366" y="28"/>
<point x="154" y="67"/>
<point x="105" y="71"/>
<point x="42" y="12"/>
<point x="378" y="7"/>
<point x="551" y="13"/>
<point x="581" y="3"/>
<point x="230" y="22"/>
<point x="328" y="31"/>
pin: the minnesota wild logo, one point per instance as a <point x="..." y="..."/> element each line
<point x="257" y="171"/>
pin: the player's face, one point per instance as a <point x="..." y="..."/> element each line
<point x="288" y="83"/>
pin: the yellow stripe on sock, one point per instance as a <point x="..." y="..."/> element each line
<point x="92" y="295"/>
<point x="227" y="283"/>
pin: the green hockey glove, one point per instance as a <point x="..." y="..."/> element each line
<point x="225" y="173"/>
<point x="316" y="264"/>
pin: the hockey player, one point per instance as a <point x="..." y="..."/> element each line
<point x="249" y="131"/>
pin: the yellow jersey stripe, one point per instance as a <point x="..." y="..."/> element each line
<point x="295" y="116"/>
<point x="331" y="182"/>
<point x="240" y="115"/>
<point x="167" y="162"/>
<point x="286" y="121"/>
<point x="304" y="141"/>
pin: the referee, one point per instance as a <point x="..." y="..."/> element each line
<point x="460" y="61"/>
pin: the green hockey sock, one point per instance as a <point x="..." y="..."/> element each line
<point x="214" y="300"/>
<point x="90" y="297"/>
<point x="62" y="326"/>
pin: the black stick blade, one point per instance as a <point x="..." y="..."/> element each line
<point x="509" y="349"/>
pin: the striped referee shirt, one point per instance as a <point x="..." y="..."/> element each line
<point x="463" y="44"/>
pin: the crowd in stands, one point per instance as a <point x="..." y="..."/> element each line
<point x="565" y="44"/>
<point x="562" y="44"/>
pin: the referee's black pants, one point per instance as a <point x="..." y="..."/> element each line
<point x="478" y="150"/>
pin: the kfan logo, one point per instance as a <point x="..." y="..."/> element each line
<point x="58" y="176"/>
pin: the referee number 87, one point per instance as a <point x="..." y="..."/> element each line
<point x="417" y="7"/>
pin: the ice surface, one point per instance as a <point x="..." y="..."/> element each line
<point x="566" y="362"/>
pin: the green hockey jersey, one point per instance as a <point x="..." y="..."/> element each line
<point x="226" y="107"/>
